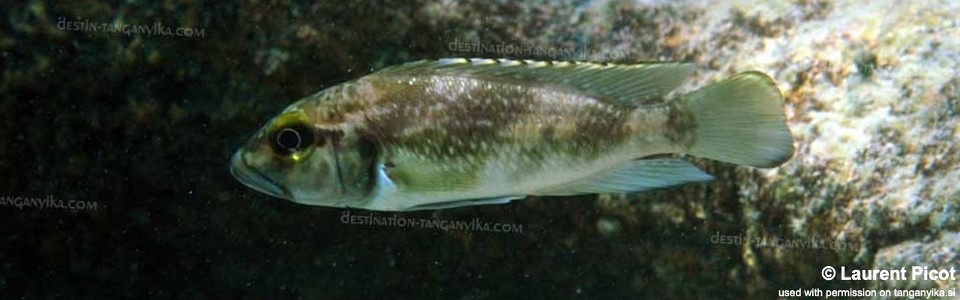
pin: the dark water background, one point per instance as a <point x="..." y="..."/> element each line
<point x="143" y="126"/>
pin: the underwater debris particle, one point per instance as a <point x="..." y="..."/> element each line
<point x="866" y="63"/>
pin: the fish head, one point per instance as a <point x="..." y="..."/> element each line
<point x="314" y="163"/>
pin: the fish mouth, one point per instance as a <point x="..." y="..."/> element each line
<point x="253" y="179"/>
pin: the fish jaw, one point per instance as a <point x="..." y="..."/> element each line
<point x="251" y="178"/>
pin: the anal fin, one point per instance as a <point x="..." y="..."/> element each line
<point x="466" y="202"/>
<point x="634" y="176"/>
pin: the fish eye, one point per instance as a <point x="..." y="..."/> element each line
<point x="293" y="138"/>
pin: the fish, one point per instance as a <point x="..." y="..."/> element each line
<point x="459" y="132"/>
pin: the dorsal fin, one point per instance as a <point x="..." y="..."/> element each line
<point x="623" y="84"/>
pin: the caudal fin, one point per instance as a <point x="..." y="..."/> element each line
<point x="740" y="120"/>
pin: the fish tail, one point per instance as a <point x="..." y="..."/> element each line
<point x="740" y="120"/>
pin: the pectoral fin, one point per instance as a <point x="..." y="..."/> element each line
<point x="634" y="176"/>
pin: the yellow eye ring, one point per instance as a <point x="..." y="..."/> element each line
<point x="292" y="136"/>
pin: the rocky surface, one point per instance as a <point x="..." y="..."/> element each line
<point x="143" y="125"/>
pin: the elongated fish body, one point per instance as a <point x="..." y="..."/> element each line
<point x="462" y="132"/>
